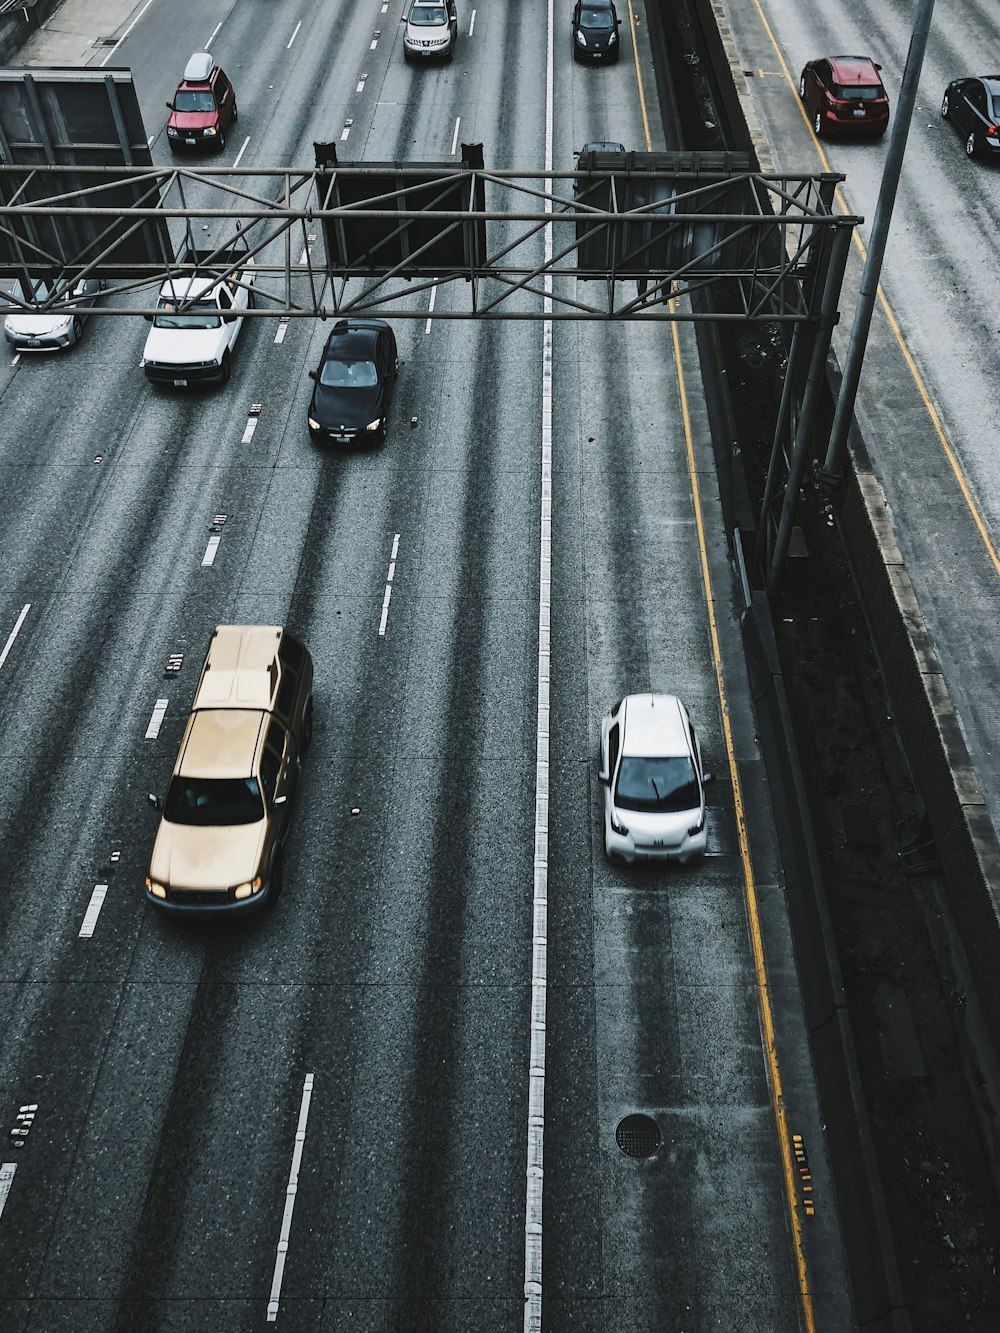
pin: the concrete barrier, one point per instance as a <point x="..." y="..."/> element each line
<point x="19" y="24"/>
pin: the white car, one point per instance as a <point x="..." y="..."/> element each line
<point x="431" y="30"/>
<point x="50" y="330"/>
<point x="195" y="325"/>
<point x="653" y="780"/>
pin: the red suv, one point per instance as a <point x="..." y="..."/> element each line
<point x="203" y="108"/>
<point x="844" y="95"/>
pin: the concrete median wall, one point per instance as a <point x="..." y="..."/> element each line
<point x="20" y="23"/>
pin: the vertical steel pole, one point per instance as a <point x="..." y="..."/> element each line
<point x="817" y="370"/>
<point x="771" y="484"/>
<point x="844" y="413"/>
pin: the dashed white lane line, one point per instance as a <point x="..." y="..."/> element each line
<point x="472" y="23"/>
<point x="125" y="33"/>
<point x="294" y="35"/>
<point x="430" y="309"/>
<point x="149" y="141"/>
<point x="279" y="337"/>
<point x="454" y="137"/>
<point x="14" y="632"/>
<point x="156" y="719"/>
<point x="93" y="911"/>
<point x="374" y="44"/>
<point x="345" y="133"/>
<point x="7" y="1170"/>
<point x="304" y="255"/>
<point x="210" y="551"/>
<point x="361" y="83"/>
<point x="15" y="359"/>
<point x="249" y="429"/>
<point x="293" y="1184"/>
<point x="388" y="586"/>
<point x="215" y="33"/>
<point x="236" y="161"/>
<point x="535" y="1156"/>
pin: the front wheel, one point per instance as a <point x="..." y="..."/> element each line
<point x="222" y="143"/>
<point x="277" y="875"/>
<point x="307" y="726"/>
<point x="77" y="328"/>
<point x="818" y="124"/>
<point x="236" y="113"/>
<point x="226" y="369"/>
<point x="945" y="106"/>
<point x="802" y="87"/>
<point x="971" y="146"/>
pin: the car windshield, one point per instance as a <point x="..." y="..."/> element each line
<point x="428" y="16"/>
<point x="657" y="786"/>
<point x="348" y="374"/>
<point x="858" y="92"/>
<point x="595" y="18"/>
<point x="200" y="315"/>
<point x="210" y="802"/>
<point x="190" y="99"/>
<point x="994" y="103"/>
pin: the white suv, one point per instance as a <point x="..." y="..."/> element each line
<point x="654" y="783"/>
<point x="431" y="30"/>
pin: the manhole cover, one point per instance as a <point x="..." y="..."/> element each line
<point x="638" y="1136"/>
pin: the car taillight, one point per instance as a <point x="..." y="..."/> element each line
<point x="991" y="133"/>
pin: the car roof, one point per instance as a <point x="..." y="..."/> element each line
<point x="241" y="669"/>
<point x="854" y="69"/>
<point x="222" y="743"/>
<point x="352" y="336"/>
<point x="654" y="726"/>
<point x="992" y="82"/>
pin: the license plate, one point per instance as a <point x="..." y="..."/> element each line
<point x="859" y="112"/>
<point x="190" y="141"/>
<point x="342" y="439"/>
<point x="180" y="384"/>
<point x="34" y="342"/>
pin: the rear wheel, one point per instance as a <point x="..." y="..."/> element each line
<point x="818" y="124"/>
<point x="971" y="146"/>
<point x="945" y="106"/>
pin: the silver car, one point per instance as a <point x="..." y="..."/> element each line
<point x="653" y="780"/>
<point x="49" y="330"/>
<point x="431" y="30"/>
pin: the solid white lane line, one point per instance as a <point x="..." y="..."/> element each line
<point x="540" y="916"/>
<point x="210" y="550"/>
<point x="294" y="34"/>
<point x="215" y="34"/>
<point x="125" y="33"/>
<point x="14" y="632"/>
<point x="7" y="1170"/>
<point x="249" y="429"/>
<point x="430" y="307"/>
<point x="279" y="337"/>
<point x="93" y="911"/>
<point x="472" y="23"/>
<point x="454" y="137"/>
<point x="293" y="1182"/>
<point x="236" y="160"/>
<point x="156" y="719"/>
<point x="388" y="586"/>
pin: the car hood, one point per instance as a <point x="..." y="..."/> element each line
<point x="182" y="345"/>
<point x="188" y="857"/>
<point x="647" y="828"/>
<point x="596" y="34"/>
<point x="36" y="326"/>
<point x="351" y="408"/>
<point x="193" y="120"/>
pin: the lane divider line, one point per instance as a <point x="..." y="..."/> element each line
<point x="279" y="337"/>
<point x="293" y="1184"/>
<point x="125" y="34"/>
<point x="156" y="719"/>
<point x="374" y="42"/>
<point x="294" y="35"/>
<point x="472" y="23"/>
<point x="239" y="155"/>
<point x="535" y="1164"/>
<point x="93" y="911"/>
<point x="388" y="586"/>
<point x="210" y="551"/>
<point x="430" y="308"/>
<point x="249" y="428"/>
<point x="454" y="137"/>
<point x="215" y="34"/>
<point x="14" y="632"/>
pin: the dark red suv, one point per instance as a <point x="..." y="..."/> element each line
<point x="203" y="108"/>
<point x="844" y="95"/>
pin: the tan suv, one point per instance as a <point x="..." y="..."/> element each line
<point x="228" y="806"/>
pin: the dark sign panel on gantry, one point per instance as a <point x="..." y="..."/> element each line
<point x="662" y="200"/>
<point x="79" y="118"/>
<point x="436" y="241"/>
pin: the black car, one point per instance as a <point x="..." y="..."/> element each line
<point x="353" y="384"/>
<point x="595" y="30"/>
<point x="973" y="107"/>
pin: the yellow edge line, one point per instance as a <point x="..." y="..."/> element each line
<point x="753" y="910"/>
<point x="911" y="365"/>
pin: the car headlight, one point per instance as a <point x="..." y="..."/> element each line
<point x="246" y="890"/>
<point x="157" y="890"/>
<point x="697" y="828"/>
<point x="581" y="40"/>
<point x="173" y="133"/>
<point x="209" y="131"/>
<point x="313" y="425"/>
<point x="374" y="425"/>
<point x="617" y="826"/>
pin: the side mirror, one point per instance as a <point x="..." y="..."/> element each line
<point x="148" y="316"/>
<point x="279" y="800"/>
<point x="170" y="106"/>
<point x="878" y="67"/>
<point x="707" y="777"/>
<point x="312" y="375"/>
<point x="154" y="800"/>
<point x="604" y="777"/>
